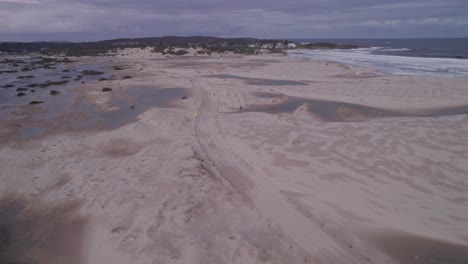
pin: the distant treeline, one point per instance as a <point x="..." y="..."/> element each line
<point x="106" y="46"/>
<point x="164" y="45"/>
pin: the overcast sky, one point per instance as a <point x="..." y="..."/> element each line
<point x="71" y="20"/>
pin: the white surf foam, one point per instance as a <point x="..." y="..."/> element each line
<point x="389" y="64"/>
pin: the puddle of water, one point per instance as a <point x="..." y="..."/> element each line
<point x="69" y="111"/>
<point x="332" y="111"/>
<point x="150" y="96"/>
<point x="141" y="98"/>
<point x="31" y="132"/>
<point x="259" y="81"/>
<point x="36" y="88"/>
<point x="412" y="249"/>
<point x="60" y="109"/>
<point x="268" y="95"/>
<point x="445" y="111"/>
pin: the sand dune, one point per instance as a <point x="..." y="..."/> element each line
<point x="267" y="159"/>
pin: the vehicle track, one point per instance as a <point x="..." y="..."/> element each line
<point x="296" y="227"/>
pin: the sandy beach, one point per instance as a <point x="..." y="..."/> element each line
<point x="239" y="159"/>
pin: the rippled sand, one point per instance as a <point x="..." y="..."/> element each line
<point x="262" y="159"/>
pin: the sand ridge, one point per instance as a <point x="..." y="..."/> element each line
<point x="238" y="183"/>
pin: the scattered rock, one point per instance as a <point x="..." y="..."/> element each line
<point x="106" y="89"/>
<point x="25" y="77"/>
<point x="32" y="91"/>
<point x="103" y="79"/>
<point x="7" y="85"/>
<point x="43" y="60"/>
<point x="20" y="94"/>
<point x="127" y="77"/>
<point x="66" y="70"/>
<point x="49" y="83"/>
<point x="91" y="72"/>
<point x="184" y="97"/>
<point x="57" y="83"/>
<point x="35" y="102"/>
<point x="53" y="92"/>
<point x="21" y="89"/>
<point x="117" y="68"/>
<point x="12" y="61"/>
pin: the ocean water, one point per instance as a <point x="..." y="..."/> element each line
<point x="427" y="57"/>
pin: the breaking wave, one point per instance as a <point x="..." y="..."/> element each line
<point x="390" y="64"/>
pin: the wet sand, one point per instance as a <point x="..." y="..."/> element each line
<point x="231" y="159"/>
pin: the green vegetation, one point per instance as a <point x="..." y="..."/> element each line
<point x="48" y="62"/>
<point x="181" y="52"/>
<point x="165" y="45"/>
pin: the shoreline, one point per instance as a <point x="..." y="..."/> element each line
<point x="391" y="64"/>
<point x="264" y="158"/>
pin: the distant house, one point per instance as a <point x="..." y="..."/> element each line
<point x="291" y="46"/>
<point x="267" y="46"/>
<point x="279" y="46"/>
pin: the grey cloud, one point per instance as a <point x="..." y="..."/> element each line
<point x="102" y="19"/>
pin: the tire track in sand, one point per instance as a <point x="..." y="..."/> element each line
<point x="296" y="228"/>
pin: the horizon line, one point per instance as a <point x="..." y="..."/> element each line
<point x="181" y="36"/>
